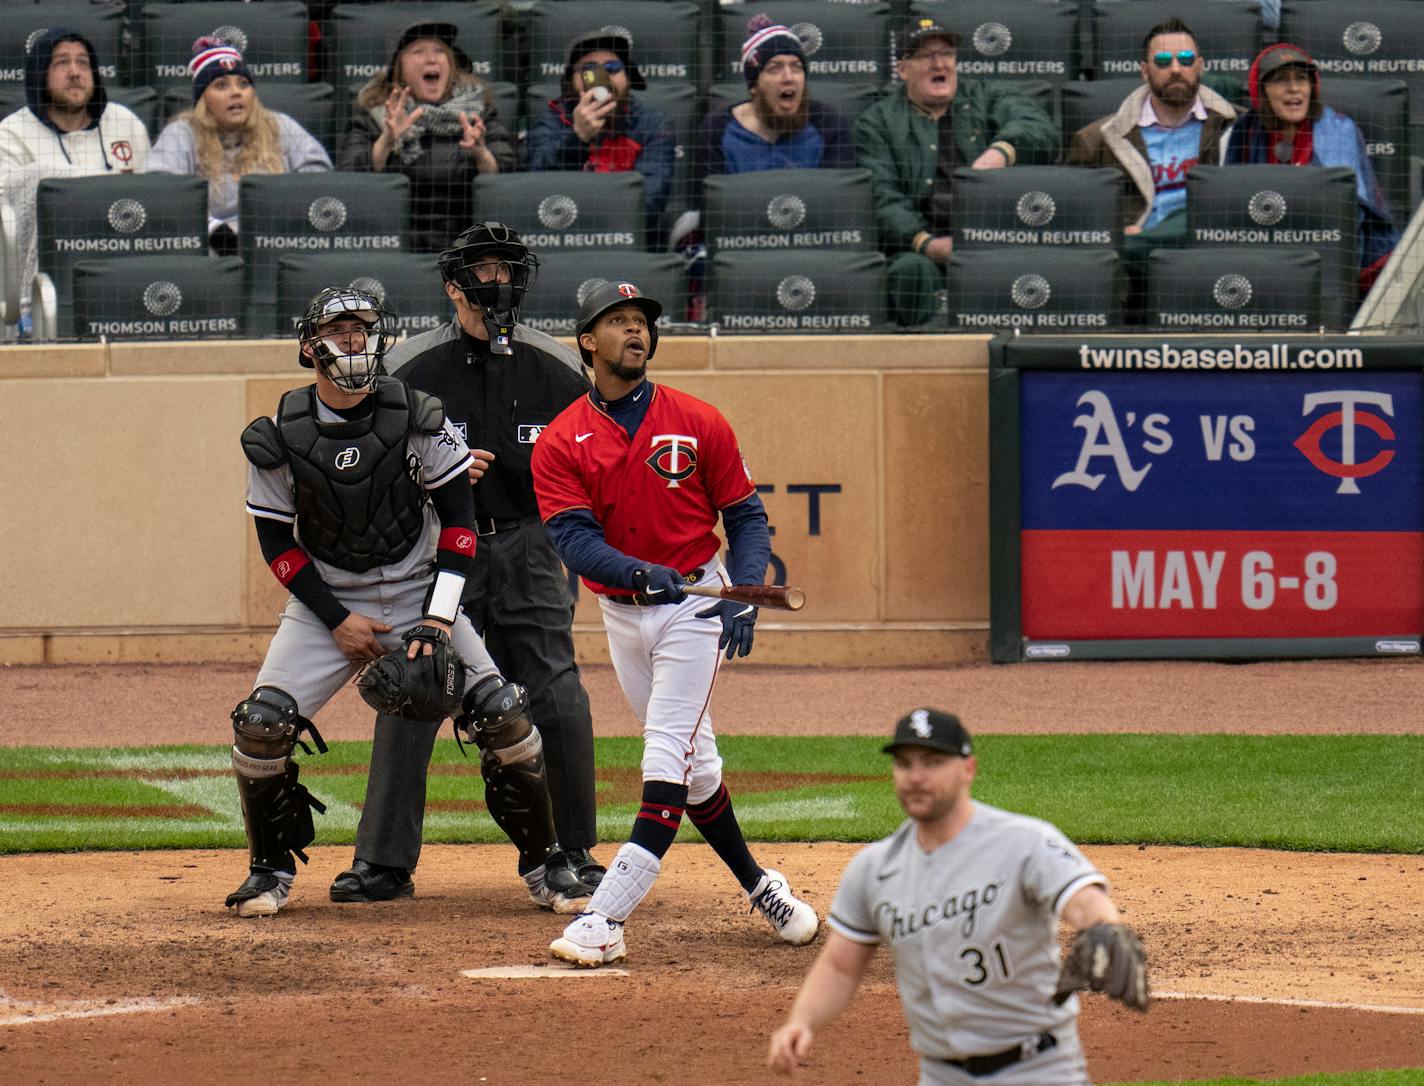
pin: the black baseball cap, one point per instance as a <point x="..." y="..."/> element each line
<point x="918" y="31"/>
<point x="933" y="729"/>
<point x="613" y="38"/>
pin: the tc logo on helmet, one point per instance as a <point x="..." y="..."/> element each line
<point x="628" y="290"/>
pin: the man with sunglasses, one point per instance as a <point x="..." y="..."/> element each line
<point x="1164" y="128"/>
<point x="501" y="383"/>
<point x="597" y="124"/>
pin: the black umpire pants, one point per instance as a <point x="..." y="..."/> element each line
<point x="517" y="596"/>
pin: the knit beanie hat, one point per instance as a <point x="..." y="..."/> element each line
<point x="214" y="58"/>
<point x="765" y="40"/>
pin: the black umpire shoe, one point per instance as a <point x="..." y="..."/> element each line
<point x="589" y="870"/>
<point x="372" y="882"/>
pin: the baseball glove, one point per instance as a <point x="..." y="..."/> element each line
<point x="426" y="689"/>
<point x="1106" y="958"/>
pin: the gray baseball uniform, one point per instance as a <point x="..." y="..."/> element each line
<point x="973" y="926"/>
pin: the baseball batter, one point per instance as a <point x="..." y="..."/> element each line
<point x="969" y="898"/>
<point x="359" y="492"/>
<point x="631" y="479"/>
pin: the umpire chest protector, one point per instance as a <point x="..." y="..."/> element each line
<point x="358" y="503"/>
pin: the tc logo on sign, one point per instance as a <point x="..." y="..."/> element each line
<point x="1346" y="469"/>
<point x="348" y="457"/>
<point x="674" y="457"/>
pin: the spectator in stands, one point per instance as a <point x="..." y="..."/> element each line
<point x="1290" y="124"/>
<point x="780" y="125"/>
<point x="603" y="128"/>
<point x="428" y="116"/>
<point x="68" y="128"/>
<point x="912" y="142"/>
<point x="228" y="134"/>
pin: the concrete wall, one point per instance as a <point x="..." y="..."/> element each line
<point x="125" y="538"/>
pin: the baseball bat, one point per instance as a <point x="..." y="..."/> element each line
<point x="780" y="596"/>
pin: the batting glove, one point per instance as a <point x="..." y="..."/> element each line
<point x="658" y="584"/>
<point x="738" y="625"/>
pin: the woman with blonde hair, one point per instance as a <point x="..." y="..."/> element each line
<point x="228" y="134"/>
<point x="428" y="116"/>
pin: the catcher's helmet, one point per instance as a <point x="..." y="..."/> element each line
<point x="612" y="293"/>
<point x="355" y="371"/>
<point x="500" y="295"/>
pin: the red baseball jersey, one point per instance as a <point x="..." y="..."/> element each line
<point x="658" y="494"/>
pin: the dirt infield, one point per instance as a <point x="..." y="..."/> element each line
<point x="124" y="966"/>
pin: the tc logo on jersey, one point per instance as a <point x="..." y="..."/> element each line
<point x="674" y="457"/>
<point x="348" y="457"/>
<point x="529" y="433"/>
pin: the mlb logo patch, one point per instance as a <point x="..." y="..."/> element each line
<point x="529" y="433"/>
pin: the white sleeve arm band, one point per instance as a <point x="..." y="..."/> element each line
<point x="444" y="600"/>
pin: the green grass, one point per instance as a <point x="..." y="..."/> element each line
<point x="1333" y="793"/>
<point x="1408" y="1077"/>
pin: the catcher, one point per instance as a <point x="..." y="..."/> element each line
<point x="968" y="898"/>
<point x="359" y="492"/>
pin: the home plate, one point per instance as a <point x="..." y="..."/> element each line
<point x="526" y="972"/>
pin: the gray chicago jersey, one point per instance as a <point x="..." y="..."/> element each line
<point x="973" y="926"/>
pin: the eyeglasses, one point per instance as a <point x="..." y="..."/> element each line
<point x="612" y="67"/>
<point x="932" y="55"/>
<point x="1186" y="58"/>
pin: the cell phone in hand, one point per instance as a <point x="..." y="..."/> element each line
<point x="595" y="77"/>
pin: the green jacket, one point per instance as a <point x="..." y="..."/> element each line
<point x="896" y="143"/>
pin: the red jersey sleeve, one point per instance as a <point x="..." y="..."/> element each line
<point x="729" y="480"/>
<point x="558" y="487"/>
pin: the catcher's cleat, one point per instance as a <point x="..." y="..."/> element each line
<point x="555" y="884"/>
<point x="262" y="893"/>
<point x="372" y="882"/>
<point x="590" y="941"/>
<point x="790" y="917"/>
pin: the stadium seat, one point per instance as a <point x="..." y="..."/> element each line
<point x="107" y="217"/>
<point x="101" y="23"/>
<point x="1010" y="39"/>
<point x="1233" y="289"/>
<point x="318" y="213"/>
<point x="1279" y="207"/>
<point x="158" y="297"/>
<point x="663" y="33"/>
<point x="844" y="43"/>
<point x="1034" y="288"/>
<point x="789" y="210"/>
<point x="565" y="209"/>
<point x="408" y="284"/>
<point x="311" y="105"/>
<point x="852" y="99"/>
<point x="801" y="291"/>
<point x="145" y="103"/>
<point x="1082" y="103"/>
<point x="1037" y="205"/>
<point x="566" y="278"/>
<point x="1381" y="108"/>
<point x="362" y="35"/>
<point x="272" y="37"/>
<point x="1363" y="39"/>
<point x="1228" y="32"/>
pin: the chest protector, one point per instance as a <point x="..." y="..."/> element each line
<point x="357" y="505"/>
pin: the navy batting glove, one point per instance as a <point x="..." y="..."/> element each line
<point x="659" y="584"/>
<point x="738" y="626"/>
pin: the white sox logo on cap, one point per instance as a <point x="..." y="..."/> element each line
<point x="348" y="457"/>
<point x="920" y="723"/>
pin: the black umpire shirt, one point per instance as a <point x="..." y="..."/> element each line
<point x="496" y="402"/>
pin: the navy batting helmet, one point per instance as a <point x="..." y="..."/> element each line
<point x="615" y="292"/>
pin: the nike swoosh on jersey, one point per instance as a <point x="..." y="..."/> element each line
<point x="883" y="875"/>
<point x="581" y="438"/>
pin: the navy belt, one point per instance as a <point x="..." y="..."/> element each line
<point x="997" y="1061"/>
<point x="490" y="526"/>
<point x="634" y="601"/>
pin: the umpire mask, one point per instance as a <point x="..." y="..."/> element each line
<point x="335" y="352"/>
<point x="493" y="268"/>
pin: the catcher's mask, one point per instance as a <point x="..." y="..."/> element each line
<point x="350" y="370"/>
<point x="493" y="269"/>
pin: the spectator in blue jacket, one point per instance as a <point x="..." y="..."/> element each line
<point x="603" y="128"/>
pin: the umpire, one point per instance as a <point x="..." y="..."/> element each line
<point x="501" y="383"/>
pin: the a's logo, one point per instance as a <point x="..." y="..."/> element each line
<point x="615" y="31"/>
<point x="34" y="37"/>
<point x="1266" y="208"/>
<point x="122" y="152"/>
<point x="1347" y="469"/>
<point x="587" y="287"/>
<point x="811" y="37"/>
<point x="1036" y="209"/>
<point x="1030" y="291"/>
<point x="529" y="433"/>
<point x="795" y="292"/>
<point x="327" y="213"/>
<point x="992" y="39"/>
<point x="674" y="457"/>
<point x="162" y="298"/>
<point x="558" y="212"/>
<point x="126" y="216"/>
<point x="786" y="212"/>
<point x="367" y="285"/>
<point x="628" y="290"/>
<point x="1362" y="38"/>
<point x="348" y="457"/>
<point x="920" y="723"/>
<point x="1231" y="291"/>
<point x="234" y="36"/>
<point x="1103" y="437"/>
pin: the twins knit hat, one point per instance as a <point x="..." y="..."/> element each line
<point x="765" y="40"/>
<point x="214" y="58"/>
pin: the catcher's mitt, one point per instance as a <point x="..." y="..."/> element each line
<point x="426" y="689"/>
<point x="1106" y="958"/>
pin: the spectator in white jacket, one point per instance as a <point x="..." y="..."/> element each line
<point x="228" y="134"/>
<point x="68" y="128"/>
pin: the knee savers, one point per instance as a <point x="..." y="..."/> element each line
<point x="275" y="808"/>
<point x="497" y="720"/>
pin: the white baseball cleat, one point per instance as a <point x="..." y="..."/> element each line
<point x="790" y="917"/>
<point x="273" y="889"/>
<point x="590" y="941"/>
